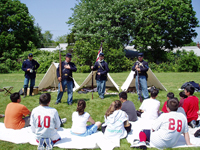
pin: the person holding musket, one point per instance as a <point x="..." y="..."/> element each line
<point x="30" y="67"/>
<point x="141" y="67"/>
<point x="101" y="76"/>
<point x="67" y="67"/>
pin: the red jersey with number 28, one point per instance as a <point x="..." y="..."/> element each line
<point x="45" y="120"/>
<point x="168" y="128"/>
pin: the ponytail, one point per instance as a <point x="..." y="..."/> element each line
<point x="113" y="106"/>
<point x="81" y="107"/>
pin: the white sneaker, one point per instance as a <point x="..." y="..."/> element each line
<point x="64" y="120"/>
<point x="141" y="145"/>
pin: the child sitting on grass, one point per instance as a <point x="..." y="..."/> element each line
<point x="16" y="113"/>
<point x="169" y="96"/>
<point x="166" y="130"/>
<point x="80" y="119"/>
<point x="191" y="106"/>
<point x="44" y="123"/>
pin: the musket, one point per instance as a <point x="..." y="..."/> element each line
<point x="60" y="70"/>
<point x="92" y="84"/>
<point x="141" y="100"/>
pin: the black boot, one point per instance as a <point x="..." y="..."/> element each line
<point x="25" y="92"/>
<point x="31" y="91"/>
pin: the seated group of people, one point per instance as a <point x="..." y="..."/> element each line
<point x="168" y="125"/>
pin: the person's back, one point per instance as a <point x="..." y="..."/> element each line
<point x="44" y="123"/>
<point x="151" y="108"/>
<point x="45" y="120"/>
<point x="170" y="95"/>
<point x="128" y="107"/>
<point x="15" y="112"/>
<point x="168" y="127"/>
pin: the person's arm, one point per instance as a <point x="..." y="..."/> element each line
<point x="187" y="138"/>
<point x="73" y="67"/>
<point x="133" y="68"/>
<point x="146" y="67"/>
<point x="91" y="120"/>
<point x="32" y="123"/>
<point x="95" y="66"/>
<point x="57" y="120"/>
<point x="24" y="68"/>
<point x="37" y="65"/>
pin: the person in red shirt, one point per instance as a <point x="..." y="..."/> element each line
<point x="170" y="95"/>
<point x="15" y="113"/>
<point x="191" y="106"/>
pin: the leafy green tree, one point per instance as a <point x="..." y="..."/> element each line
<point x="61" y="39"/>
<point x="47" y="38"/>
<point x="70" y="38"/>
<point x="17" y="32"/>
<point x="159" y="24"/>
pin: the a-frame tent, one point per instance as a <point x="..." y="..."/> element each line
<point x="151" y="81"/>
<point x="110" y="83"/>
<point x="50" y="78"/>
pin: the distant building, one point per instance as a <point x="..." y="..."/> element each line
<point x="61" y="46"/>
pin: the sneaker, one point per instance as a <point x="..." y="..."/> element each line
<point x="41" y="144"/>
<point x="63" y="120"/>
<point x="192" y="124"/>
<point x="49" y="144"/>
<point x="141" y="145"/>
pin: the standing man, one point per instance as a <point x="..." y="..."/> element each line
<point x="30" y="67"/>
<point x="141" y="67"/>
<point x="66" y="79"/>
<point x="101" y="76"/>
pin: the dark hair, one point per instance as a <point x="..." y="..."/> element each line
<point x="81" y="107"/>
<point x="190" y="88"/>
<point x="154" y="93"/>
<point x="170" y="95"/>
<point x="113" y="106"/>
<point x="14" y="97"/>
<point x="182" y="94"/>
<point x="45" y="98"/>
<point x="123" y="95"/>
<point x="173" y="104"/>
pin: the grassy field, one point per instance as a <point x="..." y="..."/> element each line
<point x="96" y="107"/>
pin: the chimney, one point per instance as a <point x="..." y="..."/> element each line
<point x="198" y="45"/>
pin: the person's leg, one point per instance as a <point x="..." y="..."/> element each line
<point x="143" y="83"/>
<point x="70" y="92"/>
<point x="60" y="94"/>
<point x="136" y="86"/>
<point x="128" y="129"/>
<point x="103" y="87"/>
<point x="26" y="80"/>
<point x="32" y="84"/>
<point x="27" y="121"/>
<point x="98" y="87"/>
<point x="103" y="128"/>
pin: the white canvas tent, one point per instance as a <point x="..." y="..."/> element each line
<point x="50" y="78"/>
<point x="151" y="81"/>
<point x="88" y="82"/>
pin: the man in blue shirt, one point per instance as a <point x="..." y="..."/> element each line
<point x="30" y="67"/>
<point x="141" y="67"/>
<point x="67" y="67"/>
<point x="101" y="76"/>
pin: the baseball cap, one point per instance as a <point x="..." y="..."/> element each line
<point x="30" y="55"/>
<point x="69" y="55"/>
<point x="101" y="54"/>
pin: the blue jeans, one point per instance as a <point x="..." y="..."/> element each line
<point x="26" y="81"/>
<point x="91" y="129"/>
<point x="101" y="86"/>
<point x="142" y="85"/>
<point x="69" y="85"/>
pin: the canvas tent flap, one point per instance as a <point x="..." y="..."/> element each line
<point x="50" y="78"/>
<point x="151" y="81"/>
<point x="88" y="82"/>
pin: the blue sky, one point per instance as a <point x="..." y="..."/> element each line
<point x="52" y="15"/>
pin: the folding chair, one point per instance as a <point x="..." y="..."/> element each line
<point x="8" y="90"/>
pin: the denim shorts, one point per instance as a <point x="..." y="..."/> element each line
<point x="89" y="130"/>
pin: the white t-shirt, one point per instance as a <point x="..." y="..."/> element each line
<point x="115" y="125"/>
<point x="44" y="121"/>
<point x="150" y="108"/>
<point x="168" y="128"/>
<point x="79" y="122"/>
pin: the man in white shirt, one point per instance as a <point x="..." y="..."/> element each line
<point x="150" y="107"/>
<point x="167" y="128"/>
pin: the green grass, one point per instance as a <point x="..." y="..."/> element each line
<point x="96" y="107"/>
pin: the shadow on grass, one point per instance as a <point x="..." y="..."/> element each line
<point x="76" y="100"/>
<point x="111" y="95"/>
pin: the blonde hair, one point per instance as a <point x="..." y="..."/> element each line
<point x="113" y="106"/>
